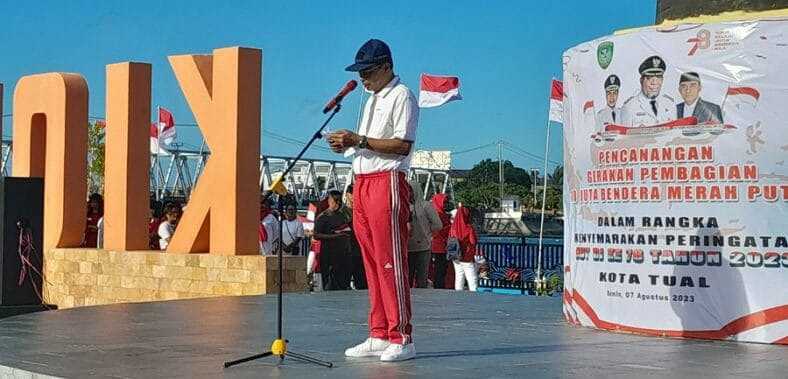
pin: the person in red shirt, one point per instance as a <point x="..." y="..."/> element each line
<point x="95" y="213"/>
<point x="441" y="204"/>
<point x="153" y="225"/>
<point x="268" y="230"/>
<point x="465" y="267"/>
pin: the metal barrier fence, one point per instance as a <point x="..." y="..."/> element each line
<point x="513" y="265"/>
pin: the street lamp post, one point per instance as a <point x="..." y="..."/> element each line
<point x="500" y="175"/>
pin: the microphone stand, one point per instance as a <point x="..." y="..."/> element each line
<point x="279" y="346"/>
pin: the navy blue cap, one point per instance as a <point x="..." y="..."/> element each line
<point x="372" y="53"/>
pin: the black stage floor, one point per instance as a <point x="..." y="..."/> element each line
<point x="457" y="335"/>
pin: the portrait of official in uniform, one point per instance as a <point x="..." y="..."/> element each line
<point x="693" y="105"/>
<point x="610" y="114"/>
<point x="649" y="107"/>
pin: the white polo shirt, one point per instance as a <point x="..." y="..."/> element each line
<point x="393" y="112"/>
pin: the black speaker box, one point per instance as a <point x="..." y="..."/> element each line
<point x="21" y="206"/>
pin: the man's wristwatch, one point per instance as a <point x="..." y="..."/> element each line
<point x="363" y="144"/>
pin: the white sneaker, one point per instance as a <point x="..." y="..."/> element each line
<point x="396" y="352"/>
<point x="372" y="347"/>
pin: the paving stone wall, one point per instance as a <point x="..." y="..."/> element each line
<point x="82" y="277"/>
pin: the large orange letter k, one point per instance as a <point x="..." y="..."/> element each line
<point x="223" y="91"/>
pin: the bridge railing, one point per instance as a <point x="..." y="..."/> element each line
<point x="174" y="173"/>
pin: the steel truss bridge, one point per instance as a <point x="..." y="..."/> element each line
<point x="175" y="174"/>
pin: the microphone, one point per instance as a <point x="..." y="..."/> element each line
<point x="349" y="87"/>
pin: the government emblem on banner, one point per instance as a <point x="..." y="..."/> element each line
<point x="604" y="54"/>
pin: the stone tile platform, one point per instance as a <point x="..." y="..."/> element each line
<point x="457" y="335"/>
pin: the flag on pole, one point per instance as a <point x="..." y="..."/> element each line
<point x="166" y="126"/>
<point x="435" y="91"/>
<point x="162" y="133"/>
<point x="557" y="101"/>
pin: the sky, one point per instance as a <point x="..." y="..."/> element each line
<point x="505" y="53"/>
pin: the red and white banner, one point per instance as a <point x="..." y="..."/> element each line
<point x="676" y="184"/>
<point x="162" y="133"/>
<point x="437" y="90"/>
<point x="557" y="101"/>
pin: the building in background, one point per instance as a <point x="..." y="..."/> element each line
<point x="432" y="159"/>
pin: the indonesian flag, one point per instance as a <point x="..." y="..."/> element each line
<point x="742" y="96"/>
<point x="557" y="101"/>
<point x="438" y="90"/>
<point x="311" y="215"/>
<point x="739" y="105"/>
<point x="162" y="133"/>
<point x="588" y="105"/>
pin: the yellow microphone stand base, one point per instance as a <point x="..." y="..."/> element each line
<point x="279" y="348"/>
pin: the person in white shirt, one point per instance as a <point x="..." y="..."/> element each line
<point x="611" y="113"/>
<point x="382" y="151"/>
<point x="292" y="232"/>
<point x="167" y="227"/>
<point x="649" y="107"/>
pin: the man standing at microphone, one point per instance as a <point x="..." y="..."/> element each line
<point x="382" y="151"/>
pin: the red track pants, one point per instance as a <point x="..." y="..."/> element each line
<point x="380" y="222"/>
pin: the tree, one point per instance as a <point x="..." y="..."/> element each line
<point x="486" y="171"/>
<point x="554" y="200"/>
<point x="484" y="196"/>
<point x="96" y="158"/>
<point x="480" y="188"/>
<point x="556" y="179"/>
<point x="555" y="190"/>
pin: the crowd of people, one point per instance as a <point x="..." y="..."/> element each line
<point x="435" y="227"/>
<point x="162" y="222"/>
